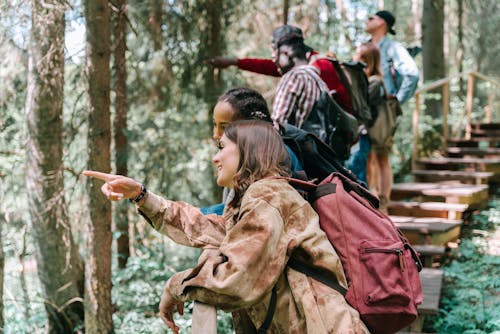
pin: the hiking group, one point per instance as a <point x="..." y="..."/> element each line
<point x="274" y="251"/>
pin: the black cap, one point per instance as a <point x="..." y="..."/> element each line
<point x="389" y="19"/>
<point x="288" y="34"/>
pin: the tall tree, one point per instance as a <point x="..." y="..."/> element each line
<point x="2" y="258"/>
<point x="213" y="45"/>
<point x="60" y="267"/>
<point x="433" y="48"/>
<point x="120" y="127"/>
<point x="98" y="308"/>
<point x="460" y="43"/>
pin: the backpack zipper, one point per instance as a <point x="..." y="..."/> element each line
<point x="397" y="251"/>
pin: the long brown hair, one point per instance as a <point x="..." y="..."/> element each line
<point x="370" y="54"/>
<point x="262" y="154"/>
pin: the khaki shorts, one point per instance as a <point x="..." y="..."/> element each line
<point x="386" y="148"/>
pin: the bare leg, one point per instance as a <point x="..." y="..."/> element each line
<point x="385" y="175"/>
<point x="373" y="174"/>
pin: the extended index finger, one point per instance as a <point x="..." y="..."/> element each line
<point x="99" y="175"/>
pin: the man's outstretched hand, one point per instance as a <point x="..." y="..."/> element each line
<point x="116" y="187"/>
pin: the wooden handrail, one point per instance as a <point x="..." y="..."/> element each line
<point x="443" y="81"/>
<point x="445" y="84"/>
<point x="485" y="78"/>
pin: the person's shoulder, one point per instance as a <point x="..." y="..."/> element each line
<point x="301" y="73"/>
<point x="304" y="69"/>
<point x="269" y="183"/>
<point x="270" y="190"/>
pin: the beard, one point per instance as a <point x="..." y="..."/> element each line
<point x="282" y="69"/>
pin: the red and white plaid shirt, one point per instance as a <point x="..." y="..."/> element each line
<point x="296" y="94"/>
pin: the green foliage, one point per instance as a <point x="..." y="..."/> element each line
<point x="20" y="317"/>
<point x="470" y="300"/>
<point x="137" y="290"/>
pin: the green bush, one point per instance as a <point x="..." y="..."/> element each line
<point x="470" y="298"/>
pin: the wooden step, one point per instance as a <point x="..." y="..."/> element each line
<point x="492" y="133"/>
<point x="427" y="209"/>
<point x="427" y="253"/>
<point x="460" y="142"/>
<point x="430" y="249"/>
<point x="485" y="126"/>
<point x="428" y="230"/>
<point x="473" y="142"/>
<point x="468" y="164"/>
<point x="487" y="152"/>
<point x="432" y="281"/>
<point x="446" y="175"/>
<point x="475" y="196"/>
<point x="457" y="161"/>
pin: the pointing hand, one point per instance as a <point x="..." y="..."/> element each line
<point x="116" y="187"/>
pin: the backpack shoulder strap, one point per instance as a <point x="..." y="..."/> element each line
<point x="270" y="312"/>
<point x="332" y="282"/>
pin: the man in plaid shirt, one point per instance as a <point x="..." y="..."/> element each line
<point x="300" y="85"/>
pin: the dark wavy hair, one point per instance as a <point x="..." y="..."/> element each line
<point x="262" y="154"/>
<point x="247" y="103"/>
<point x="370" y="54"/>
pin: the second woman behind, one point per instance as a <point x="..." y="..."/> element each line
<point x="378" y="168"/>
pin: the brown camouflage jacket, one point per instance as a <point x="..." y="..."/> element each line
<point x="245" y="256"/>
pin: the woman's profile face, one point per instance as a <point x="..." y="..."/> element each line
<point x="227" y="161"/>
<point x="223" y="116"/>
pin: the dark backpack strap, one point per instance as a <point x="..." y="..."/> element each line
<point x="332" y="281"/>
<point x="322" y="190"/>
<point x="270" y="312"/>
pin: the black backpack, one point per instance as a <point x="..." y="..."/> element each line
<point x="354" y="79"/>
<point x="317" y="159"/>
<point x="332" y="124"/>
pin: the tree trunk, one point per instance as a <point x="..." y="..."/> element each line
<point x="120" y="127"/>
<point x="286" y="7"/>
<point x="98" y="308"/>
<point x="2" y="266"/>
<point x="155" y="22"/>
<point x="60" y="267"/>
<point x="22" y="277"/>
<point x="433" y="53"/>
<point x="460" y="44"/>
<point x="417" y="20"/>
<point x="213" y="44"/>
<point x="343" y="14"/>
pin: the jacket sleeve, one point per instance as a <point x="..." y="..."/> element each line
<point x="183" y="223"/>
<point x="247" y="266"/>
<point x="258" y="65"/>
<point x="405" y="67"/>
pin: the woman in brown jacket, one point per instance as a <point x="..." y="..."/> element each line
<point x="245" y="252"/>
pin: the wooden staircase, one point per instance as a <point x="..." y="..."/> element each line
<point x="430" y="210"/>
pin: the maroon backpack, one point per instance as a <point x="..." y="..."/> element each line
<point x="380" y="265"/>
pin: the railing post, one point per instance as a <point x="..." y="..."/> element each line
<point x="204" y="319"/>
<point x="489" y="108"/>
<point x="470" y="95"/>
<point x="446" y="110"/>
<point x="415" y="132"/>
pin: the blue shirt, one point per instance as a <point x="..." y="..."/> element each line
<point x="406" y="70"/>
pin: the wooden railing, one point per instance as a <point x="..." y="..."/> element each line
<point x="445" y="84"/>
